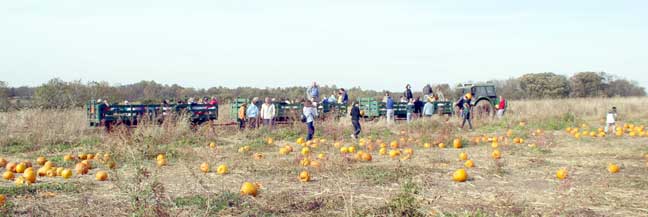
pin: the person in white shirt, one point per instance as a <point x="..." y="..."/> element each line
<point x="610" y="121"/>
<point x="309" y="113"/>
<point x="268" y="113"/>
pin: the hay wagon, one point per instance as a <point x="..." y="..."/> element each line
<point x="100" y="114"/>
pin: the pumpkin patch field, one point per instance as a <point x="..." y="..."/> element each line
<point x="544" y="158"/>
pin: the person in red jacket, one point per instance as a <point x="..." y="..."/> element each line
<point x="501" y="107"/>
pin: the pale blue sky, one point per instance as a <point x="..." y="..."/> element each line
<point x="372" y="44"/>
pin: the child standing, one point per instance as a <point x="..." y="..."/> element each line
<point x="610" y="121"/>
<point x="241" y="115"/>
<point x="466" y="116"/>
<point x="410" y="110"/>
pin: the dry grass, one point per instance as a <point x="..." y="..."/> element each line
<point x="522" y="183"/>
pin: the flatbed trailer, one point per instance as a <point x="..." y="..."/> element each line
<point x="102" y="115"/>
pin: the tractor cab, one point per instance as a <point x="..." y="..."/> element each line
<point x="484" y="97"/>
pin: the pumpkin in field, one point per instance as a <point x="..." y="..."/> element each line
<point x="101" y="176"/>
<point x="509" y="133"/>
<point x="315" y="164"/>
<point x="382" y="151"/>
<point x="305" y="162"/>
<point x="111" y="164"/>
<point x="408" y="151"/>
<point x="457" y="143"/>
<point x="366" y="156"/>
<point x="51" y="172"/>
<point x="613" y="168"/>
<point x="20" y="168"/>
<point x="2" y="200"/>
<point x="460" y="175"/>
<point x="30" y="176"/>
<point x="269" y="141"/>
<point x="469" y="164"/>
<point x="258" y="156"/>
<point x="304" y="176"/>
<point x="427" y="145"/>
<point x="82" y="168"/>
<point x="204" y="167"/>
<point x="248" y="189"/>
<point x="161" y="162"/>
<point x="289" y="148"/>
<point x="352" y="149"/>
<point x="11" y="166"/>
<point x="337" y="145"/>
<point x="394" y="144"/>
<point x="222" y="169"/>
<point x="321" y="156"/>
<point x="442" y="145"/>
<point x="463" y="156"/>
<point x="562" y="173"/>
<point x="49" y="164"/>
<point x="20" y="181"/>
<point x="383" y="145"/>
<point x="8" y="175"/>
<point x="344" y="150"/>
<point x="244" y="149"/>
<point x="212" y="145"/>
<point x="3" y="162"/>
<point x="305" y="151"/>
<point x="494" y="144"/>
<point x="66" y="173"/>
<point x="394" y="153"/>
<point x="283" y="151"/>
<point x="68" y="157"/>
<point x="41" y="160"/>
<point x="160" y="157"/>
<point x="496" y="154"/>
<point x="42" y="171"/>
<point x="300" y="141"/>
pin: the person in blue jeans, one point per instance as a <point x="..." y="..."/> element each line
<point x="310" y="112"/>
<point x="355" y="120"/>
<point x="389" y="106"/>
<point x="466" y="116"/>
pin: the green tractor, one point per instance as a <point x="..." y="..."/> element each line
<point x="484" y="98"/>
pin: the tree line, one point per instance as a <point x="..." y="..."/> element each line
<point x="57" y="93"/>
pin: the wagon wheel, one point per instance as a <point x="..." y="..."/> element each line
<point x="484" y="109"/>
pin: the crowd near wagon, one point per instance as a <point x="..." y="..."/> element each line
<point x="100" y="113"/>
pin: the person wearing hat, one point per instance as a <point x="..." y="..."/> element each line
<point x="462" y="102"/>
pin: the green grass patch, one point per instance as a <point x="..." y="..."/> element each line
<point x="213" y="203"/>
<point x="43" y="187"/>
<point x="380" y="175"/>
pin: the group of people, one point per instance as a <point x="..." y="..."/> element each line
<point x="249" y="116"/>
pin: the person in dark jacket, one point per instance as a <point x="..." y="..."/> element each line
<point x="427" y="90"/>
<point x="418" y="107"/>
<point x="408" y="92"/>
<point x="355" y="120"/>
<point x="466" y="116"/>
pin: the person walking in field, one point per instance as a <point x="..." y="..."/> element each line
<point x="389" y="106"/>
<point x="466" y="116"/>
<point x="501" y="107"/>
<point x="610" y="120"/>
<point x="461" y="102"/>
<point x="241" y="116"/>
<point x="252" y="113"/>
<point x="355" y="120"/>
<point x="268" y="113"/>
<point x="309" y="113"/>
